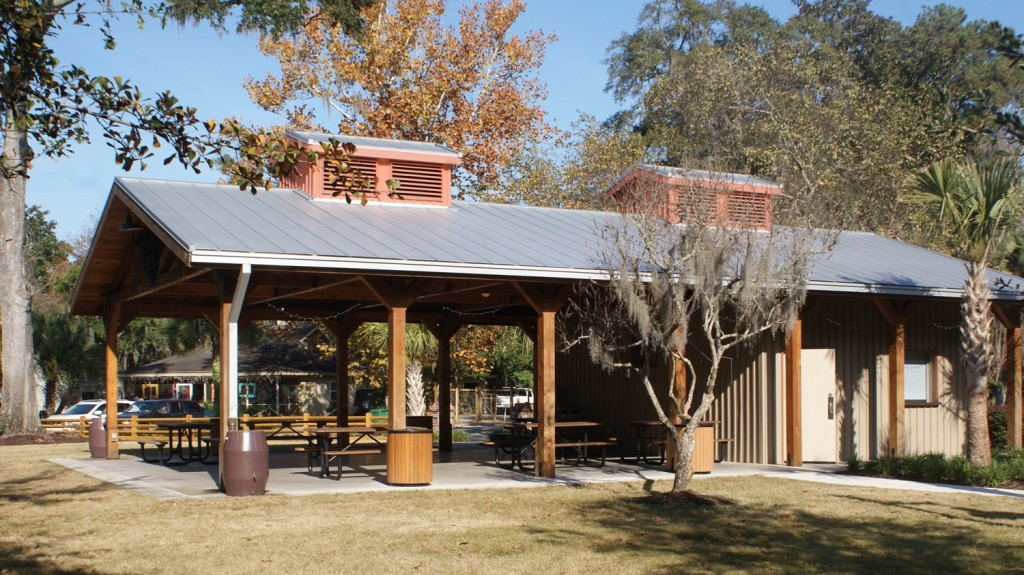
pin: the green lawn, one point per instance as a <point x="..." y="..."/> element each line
<point x="58" y="521"/>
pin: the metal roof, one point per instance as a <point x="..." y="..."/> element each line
<point x="375" y="143"/>
<point x="218" y="224"/>
<point x="705" y="175"/>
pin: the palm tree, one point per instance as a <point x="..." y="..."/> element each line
<point x="979" y="200"/>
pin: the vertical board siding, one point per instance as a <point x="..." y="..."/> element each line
<point x="933" y="328"/>
<point x="855" y="329"/>
<point x="749" y="406"/>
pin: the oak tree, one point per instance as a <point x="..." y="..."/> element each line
<point x="47" y="107"/>
<point x="471" y="85"/>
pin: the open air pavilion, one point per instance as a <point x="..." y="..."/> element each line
<point x="174" y="249"/>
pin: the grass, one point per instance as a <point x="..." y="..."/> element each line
<point x="58" y="521"/>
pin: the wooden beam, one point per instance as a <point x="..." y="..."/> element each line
<point x="1010" y="318"/>
<point x="896" y="315"/>
<point x="794" y="416"/>
<point x="166" y="280"/>
<point x="112" y="321"/>
<point x="396" y="368"/>
<point x="302" y="291"/>
<point x="546" y="300"/>
<point x="545" y="353"/>
<point x="342" y="328"/>
<point x="444" y="329"/>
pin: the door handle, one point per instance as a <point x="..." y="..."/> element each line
<point x="831" y="406"/>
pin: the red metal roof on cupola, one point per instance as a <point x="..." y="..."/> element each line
<point x="423" y="169"/>
<point x="682" y="195"/>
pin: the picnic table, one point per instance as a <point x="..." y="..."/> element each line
<point x="189" y="436"/>
<point x="571" y="435"/>
<point x="323" y="437"/>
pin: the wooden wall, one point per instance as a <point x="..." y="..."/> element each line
<point x="749" y="407"/>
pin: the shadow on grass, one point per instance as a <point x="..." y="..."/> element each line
<point x="924" y="506"/>
<point x="862" y="535"/>
<point x="28" y="490"/>
<point x="25" y="559"/>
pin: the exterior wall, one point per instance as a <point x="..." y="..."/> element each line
<point x="749" y="406"/>
<point x="856" y="330"/>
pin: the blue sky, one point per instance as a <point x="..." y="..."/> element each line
<point x="206" y="70"/>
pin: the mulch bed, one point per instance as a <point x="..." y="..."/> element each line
<point x="39" y="439"/>
<point x="683" y="498"/>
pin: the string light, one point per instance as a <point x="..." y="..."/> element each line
<point x="297" y="317"/>
<point x="472" y="313"/>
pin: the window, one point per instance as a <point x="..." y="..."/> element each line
<point x="919" y="378"/>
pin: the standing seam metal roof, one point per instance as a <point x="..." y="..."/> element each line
<point x="219" y="223"/>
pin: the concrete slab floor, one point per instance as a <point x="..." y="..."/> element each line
<point x="468" y="466"/>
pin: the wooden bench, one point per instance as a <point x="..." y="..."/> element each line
<point x="581" y="448"/>
<point x="338" y="454"/>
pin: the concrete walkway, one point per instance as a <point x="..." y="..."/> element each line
<point x="469" y="466"/>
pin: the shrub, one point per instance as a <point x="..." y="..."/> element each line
<point x="936" y="468"/>
<point x="997" y="426"/>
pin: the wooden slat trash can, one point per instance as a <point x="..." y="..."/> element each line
<point x="704" y="448"/>
<point x="410" y="456"/>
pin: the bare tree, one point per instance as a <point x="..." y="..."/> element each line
<point x="676" y="288"/>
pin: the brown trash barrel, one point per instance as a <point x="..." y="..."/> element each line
<point x="410" y="456"/>
<point x="97" y="438"/>
<point x="246" y="463"/>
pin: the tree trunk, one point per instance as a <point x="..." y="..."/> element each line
<point x="975" y="329"/>
<point x="20" y="404"/>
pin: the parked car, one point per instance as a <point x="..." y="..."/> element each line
<point x="149" y="408"/>
<point x="89" y="408"/>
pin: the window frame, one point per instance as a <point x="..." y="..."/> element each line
<point x="932" y="366"/>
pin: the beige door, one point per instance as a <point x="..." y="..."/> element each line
<point x="818" y="404"/>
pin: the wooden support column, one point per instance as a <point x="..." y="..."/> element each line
<point x="396" y="367"/>
<point x="112" y="323"/>
<point x="546" y="300"/>
<point x="794" y="417"/>
<point x="679" y="375"/>
<point x="1010" y="318"/>
<point x="397" y="294"/>
<point x="896" y="314"/>
<point x="231" y="287"/>
<point x="444" y="330"/>
<point x="342" y="329"/>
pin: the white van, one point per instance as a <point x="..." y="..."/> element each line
<point x="508" y="398"/>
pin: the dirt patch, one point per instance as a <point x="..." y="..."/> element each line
<point x="38" y="439"/>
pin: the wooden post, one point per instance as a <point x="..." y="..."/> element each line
<point x="679" y="388"/>
<point x="342" y="329"/>
<point x="1012" y="378"/>
<point x="546" y="300"/>
<point x="396" y="367"/>
<point x="444" y="405"/>
<point x="896" y="315"/>
<point x="113" y="326"/>
<point x="397" y="294"/>
<point x="794" y="417"/>
<point x="546" y="394"/>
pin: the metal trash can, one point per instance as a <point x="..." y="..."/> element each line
<point x="246" y="463"/>
<point x="97" y="438"/>
<point x="410" y="456"/>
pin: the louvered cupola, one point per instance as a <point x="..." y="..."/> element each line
<point x="423" y="170"/>
<point x="682" y="196"/>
